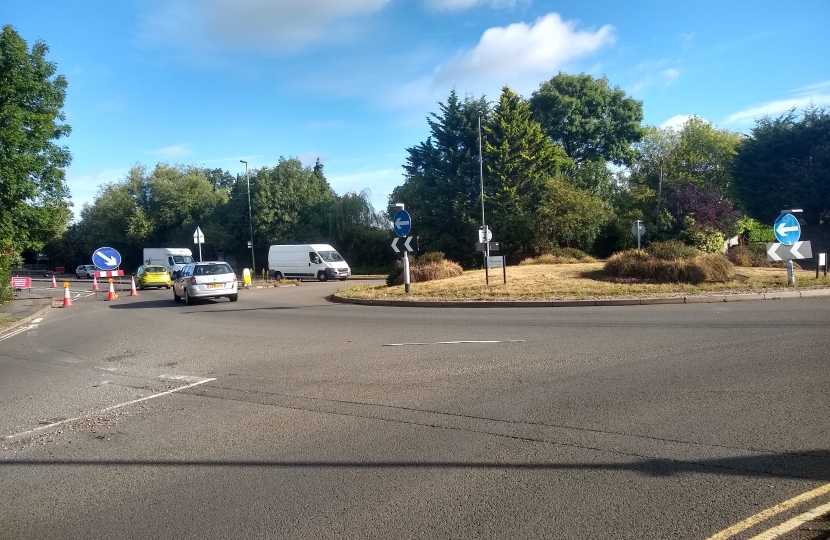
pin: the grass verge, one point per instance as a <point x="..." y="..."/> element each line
<point x="577" y="282"/>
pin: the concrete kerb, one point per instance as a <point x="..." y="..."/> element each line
<point x="743" y="297"/>
<point x="25" y="320"/>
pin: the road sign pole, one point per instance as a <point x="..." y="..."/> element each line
<point x="504" y="268"/>
<point x="790" y="273"/>
<point x="638" y="234"/>
<point x="200" y="252"/>
<point x="406" y="271"/>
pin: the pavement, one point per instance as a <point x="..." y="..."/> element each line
<point x="25" y="307"/>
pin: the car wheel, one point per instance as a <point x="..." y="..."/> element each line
<point x="321" y="276"/>
<point x="176" y="297"/>
<point x="233" y="297"/>
<point x="187" y="300"/>
<point x="167" y="287"/>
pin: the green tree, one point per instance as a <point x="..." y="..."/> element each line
<point x="588" y="119"/>
<point x="441" y="188"/>
<point x="521" y="160"/>
<point x="33" y="206"/>
<point x="785" y="163"/>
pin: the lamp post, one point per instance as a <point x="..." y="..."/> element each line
<point x="250" y="218"/>
<point x="483" y="224"/>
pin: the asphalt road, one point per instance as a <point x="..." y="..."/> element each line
<point x="286" y="416"/>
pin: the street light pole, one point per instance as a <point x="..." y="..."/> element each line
<point x="483" y="224"/>
<point x="250" y="218"/>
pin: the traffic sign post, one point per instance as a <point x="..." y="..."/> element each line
<point x="402" y="224"/>
<point x="787" y="229"/>
<point x="199" y="238"/>
<point x="106" y="258"/>
<point x="638" y="230"/>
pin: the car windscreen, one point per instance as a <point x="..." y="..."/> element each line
<point x="182" y="259"/>
<point x="212" y="269"/>
<point x="330" y="256"/>
<point x="155" y="269"/>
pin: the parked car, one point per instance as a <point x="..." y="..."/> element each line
<point x="212" y="279"/>
<point x="85" y="271"/>
<point x="152" y="275"/>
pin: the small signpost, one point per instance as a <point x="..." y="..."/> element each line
<point x="19" y="283"/>
<point x="402" y="224"/>
<point x="199" y="238"/>
<point x="638" y="230"/>
<point x="787" y="230"/>
<point x="497" y="261"/>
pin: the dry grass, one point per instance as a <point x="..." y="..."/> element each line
<point x="549" y="258"/>
<point x="697" y="269"/>
<point x="430" y="271"/>
<point x="576" y="282"/>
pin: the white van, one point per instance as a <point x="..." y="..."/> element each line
<point x="307" y="261"/>
<point x="172" y="258"/>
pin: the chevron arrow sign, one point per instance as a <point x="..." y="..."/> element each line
<point x="405" y="244"/>
<point x="783" y="252"/>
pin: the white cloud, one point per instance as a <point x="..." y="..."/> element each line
<point x="815" y="94"/>
<point x="268" y="25"/>
<point x="676" y="122"/>
<point x="518" y="55"/>
<point x="458" y="5"/>
<point x="173" y="152"/>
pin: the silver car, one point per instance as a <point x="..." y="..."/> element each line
<point x="85" y="271"/>
<point x="212" y="279"/>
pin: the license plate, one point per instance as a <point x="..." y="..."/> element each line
<point x="216" y="285"/>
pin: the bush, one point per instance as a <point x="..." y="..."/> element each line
<point x="751" y="255"/>
<point x="672" y="249"/>
<point x="639" y="264"/>
<point x="560" y="256"/>
<point x="427" y="267"/>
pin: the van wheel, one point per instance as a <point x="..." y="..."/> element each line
<point x="278" y="276"/>
<point x="321" y="276"/>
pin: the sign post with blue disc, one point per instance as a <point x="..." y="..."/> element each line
<point x="787" y="231"/>
<point x="106" y="258"/>
<point x="402" y="224"/>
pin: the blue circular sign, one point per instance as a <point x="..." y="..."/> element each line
<point x="106" y="258"/>
<point x="402" y="223"/>
<point x="787" y="229"/>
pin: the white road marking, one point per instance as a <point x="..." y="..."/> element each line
<point x="792" y="524"/>
<point x="36" y="321"/>
<point x="12" y="334"/>
<point x="133" y="402"/>
<point x="455" y="342"/>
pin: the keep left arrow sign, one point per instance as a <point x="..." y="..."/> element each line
<point x="406" y="243"/>
<point x="395" y="245"/>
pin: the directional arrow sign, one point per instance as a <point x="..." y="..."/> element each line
<point x="198" y="236"/>
<point x="787" y="229"/>
<point x="106" y="258"/>
<point x="405" y="244"/>
<point x="783" y="252"/>
<point x="402" y="223"/>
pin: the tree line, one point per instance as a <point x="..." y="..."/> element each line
<point x="572" y="165"/>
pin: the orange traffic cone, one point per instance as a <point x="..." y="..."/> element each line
<point x="54" y="283"/>
<point x="67" y="300"/>
<point x="111" y="294"/>
<point x="95" y="284"/>
<point x="133" y="292"/>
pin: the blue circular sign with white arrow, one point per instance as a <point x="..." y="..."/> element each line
<point x="106" y="258"/>
<point x="402" y="223"/>
<point x="787" y="230"/>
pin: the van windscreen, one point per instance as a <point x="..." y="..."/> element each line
<point x="182" y="259"/>
<point x="330" y="256"/>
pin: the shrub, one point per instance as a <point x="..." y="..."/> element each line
<point x="570" y="253"/>
<point x="751" y="255"/>
<point x="560" y="256"/>
<point x="672" y="249"/>
<point x="427" y="267"/>
<point x="639" y="264"/>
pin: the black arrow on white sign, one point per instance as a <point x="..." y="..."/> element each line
<point x="405" y="244"/>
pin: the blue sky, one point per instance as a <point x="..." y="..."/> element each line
<point x="210" y="82"/>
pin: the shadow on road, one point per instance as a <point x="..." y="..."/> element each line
<point x="811" y="465"/>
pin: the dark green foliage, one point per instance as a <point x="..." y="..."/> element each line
<point x="672" y="249"/>
<point x="639" y="264"/>
<point x="441" y="188"/>
<point x="785" y="163"/>
<point x="588" y="119"/>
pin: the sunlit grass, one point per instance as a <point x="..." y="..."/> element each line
<point x="577" y="282"/>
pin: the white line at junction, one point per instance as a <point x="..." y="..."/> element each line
<point x="133" y="402"/>
<point x="456" y="342"/>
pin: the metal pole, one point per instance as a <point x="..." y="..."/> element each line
<point x="659" y="191"/>
<point x="483" y="222"/>
<point x="638" y="233"/>
<point x="250" y="218"/>
<point x="790" y="273"/>
<point x="405" y="271"/>
<point x="200" y="250"/>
